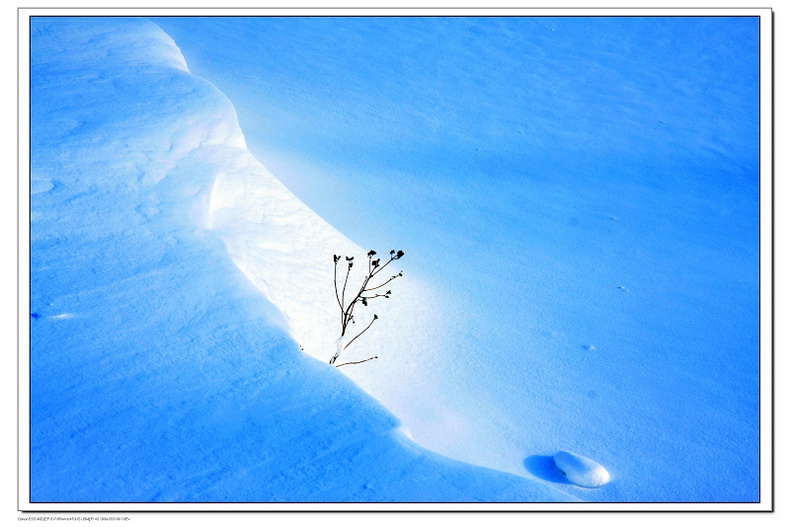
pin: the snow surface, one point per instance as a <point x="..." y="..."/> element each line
<point x="172" y="378"/>
<point x="577" y="200"/>
<point x="558" y="183"/>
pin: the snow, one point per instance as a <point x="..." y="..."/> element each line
<point x="578" y="204"/>
<point x="285" y="249"/>
<point x="556" y="183"/>
<point x="580" y="470"/>
<point x="159" y="372"/>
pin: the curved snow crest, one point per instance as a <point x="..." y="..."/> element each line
<point x="285" y="249"/>
<point x="163" y="47"/>
<point x="130" y="229"/>
<point x="146" y="133"/>
<point x="224" y="128"/>
<point x="138" y="44"/>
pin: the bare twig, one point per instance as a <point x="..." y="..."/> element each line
<point x="356" y="362"/>
<point x="343" y="296"/>
<point x="385" y="283"/>
<point x="337" y="295"/>
<point x="375" y="317"/>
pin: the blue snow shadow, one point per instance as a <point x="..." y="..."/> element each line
<point x="544" y="468"/>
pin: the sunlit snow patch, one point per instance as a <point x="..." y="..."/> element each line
<point x="286" y="250"/>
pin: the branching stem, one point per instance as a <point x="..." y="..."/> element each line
<point x="347" y="310"/>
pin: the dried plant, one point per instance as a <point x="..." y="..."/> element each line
<point x="367" y="292"/>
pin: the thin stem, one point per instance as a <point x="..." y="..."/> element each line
<point x="385" y="283"/>
<point x="361" y="332"/>
<point x="377" y="270"/>
<point x="359" y="295"/>
<point x="372" y="297"/>
<point x="337" y="295"/>
<point x="356" y="362"/>
<point x="344" y="319"/>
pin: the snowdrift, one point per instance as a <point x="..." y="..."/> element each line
<point x="582" y="196"/>
<point x="159" y="372"/>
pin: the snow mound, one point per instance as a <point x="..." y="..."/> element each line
<point x="158" y="373"/>
<point x="580" y="470"/>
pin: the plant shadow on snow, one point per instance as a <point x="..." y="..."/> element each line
<point x="544" y="468"/>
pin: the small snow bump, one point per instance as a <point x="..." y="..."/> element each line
<point x="623" y="288"/>
<point x="39" y="186"/>
<point x="589" y="347"/>
<point x="581" y="471"/>
<point x="62" y="316"/>
<point x="403" y="429"/>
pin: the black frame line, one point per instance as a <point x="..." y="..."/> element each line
<point x="449" y="503"/>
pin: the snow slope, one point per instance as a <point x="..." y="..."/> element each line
<point x="159" y="372"/>
<point x="286" y="251"/>
<point x="579" y="195"/>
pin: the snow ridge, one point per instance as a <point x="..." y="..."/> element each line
<point x="285" y="249"/>
<point x="157" y="374"/>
